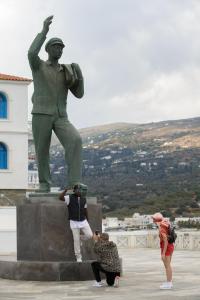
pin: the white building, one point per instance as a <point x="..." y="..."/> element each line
<point x="33" y="179"/>
<point x="136" y="221"/>
<point x="128" y="221"/>
<point x="142" y="221"/>
<point x="13" y="132"/>
<point x="111" y="222"/>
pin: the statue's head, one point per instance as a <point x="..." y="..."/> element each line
<point x="54" y="47"/>
<point x="80" y="190"/>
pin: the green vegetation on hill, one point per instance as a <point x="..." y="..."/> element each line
<point x="140" y="168"/>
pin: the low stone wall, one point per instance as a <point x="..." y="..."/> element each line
<point x="149" y="239"/>
<point x="8" y="230"/>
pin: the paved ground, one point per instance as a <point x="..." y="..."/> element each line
<point x="143" y="274"/>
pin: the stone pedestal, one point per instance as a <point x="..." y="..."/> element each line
<point x="45" y="244"/>
<point x="45" y="271"/>
<point x="44" y="234"/>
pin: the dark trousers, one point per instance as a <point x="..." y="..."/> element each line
<point x="110" y="276"/>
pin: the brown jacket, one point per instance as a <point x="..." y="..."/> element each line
<point x="107" y="255"/>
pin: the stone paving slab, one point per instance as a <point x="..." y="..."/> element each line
<point x="143" y="274"/>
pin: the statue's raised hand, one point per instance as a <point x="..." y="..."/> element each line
<point x="47" y="23"/>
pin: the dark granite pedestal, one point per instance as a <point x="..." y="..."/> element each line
<point x="45" y="243"/>
<point x="46" y="271"/>
<point x="44" y="234"/>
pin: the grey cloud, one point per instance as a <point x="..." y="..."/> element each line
<point x="138" y="56"/>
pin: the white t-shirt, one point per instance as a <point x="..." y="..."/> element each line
<point x="76" y="224"/>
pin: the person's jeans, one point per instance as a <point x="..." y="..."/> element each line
<point x="87" y="234"/>
<point x="110" y="276"/>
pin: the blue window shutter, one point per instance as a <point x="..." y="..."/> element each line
<point x="3" y="156"/>
<point x="3" y="106"/>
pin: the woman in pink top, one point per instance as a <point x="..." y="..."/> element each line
<point x="166" y="248"/>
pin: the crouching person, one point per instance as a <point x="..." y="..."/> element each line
<point x="108" y="260"/>
<point x="78" y="216"/>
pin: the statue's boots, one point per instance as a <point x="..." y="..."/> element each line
<point x="43" y="189"/>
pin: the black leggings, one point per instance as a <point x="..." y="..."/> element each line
<point x="110" y="276"/>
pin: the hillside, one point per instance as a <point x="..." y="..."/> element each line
<point x="139" y="167"/>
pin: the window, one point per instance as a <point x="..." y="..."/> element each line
<point x="3" y="106"/>
<point x="3" y="156"/>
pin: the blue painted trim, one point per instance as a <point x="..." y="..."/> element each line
<point x="3" y="107"/>
<point x="3" y="156"/>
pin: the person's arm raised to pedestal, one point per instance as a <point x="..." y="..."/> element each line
<point x="37" y="43"/>
<point x="62" y="195"/>
<point x="86" y="213"/>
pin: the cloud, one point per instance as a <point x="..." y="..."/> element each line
<point x="140" y="58"/>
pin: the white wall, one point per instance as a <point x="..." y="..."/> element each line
<point x="16" y="176"/>
<point x="8" y="242"/>
<point x="186" y="240"/>
<point x="14" y="133"/>
<point x="17" y="97"/>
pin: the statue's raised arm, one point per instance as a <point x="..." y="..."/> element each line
<point x="37" y="43"/>
<point x="47" y="23"/>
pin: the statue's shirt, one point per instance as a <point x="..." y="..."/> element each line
<point x="50" y="89"/>
<point x="51" y="83"/>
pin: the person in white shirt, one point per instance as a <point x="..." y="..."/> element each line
<point x="78" y="216"/>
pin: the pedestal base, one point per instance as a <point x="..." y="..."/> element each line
<point x="44" y="234"/>
<point x="45" y="250"/>
<point x="45" y="271"/>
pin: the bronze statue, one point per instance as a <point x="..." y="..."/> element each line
<point x="51" y="84"/>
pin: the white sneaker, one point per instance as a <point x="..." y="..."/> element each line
<point x="116" y="283"/>
<point x="166" y="286"/>
<point x="98" y="284"/>
<point x="79" y="259"/>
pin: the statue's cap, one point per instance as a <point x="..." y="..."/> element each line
<point x="80" y="186"/>
<point x="54" y="41"/>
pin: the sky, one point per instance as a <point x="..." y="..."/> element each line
<point x="140" y="58"/>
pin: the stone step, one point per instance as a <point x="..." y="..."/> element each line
<point x="45" y="271"/>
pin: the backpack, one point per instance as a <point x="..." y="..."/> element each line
<point x="171" y="235"/>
